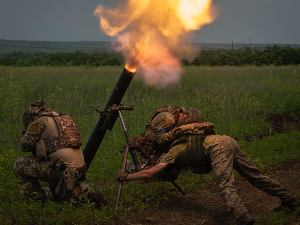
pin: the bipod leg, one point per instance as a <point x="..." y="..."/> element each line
<point x="175" y="184"/>
<point x="121" y="182"/>
<point x="135" y="160"/>
<point x="178" y="188"/>
<point x="127" y="149"/>
<point x="128" y="141"/>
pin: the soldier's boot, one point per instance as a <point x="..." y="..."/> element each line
<point x="91" y="195"/>
<point x="97" y="198"/>
<point x="32" y="189"/>
<point x="245" y="219"/>
<point x="291" y="205"/>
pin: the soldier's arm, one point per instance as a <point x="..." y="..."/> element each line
<point x="147" y="174"/>
<point x="32" y="135"/>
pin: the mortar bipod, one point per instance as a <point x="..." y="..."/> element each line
<point x="118" y="109"/>
<point x="128" y="148"/>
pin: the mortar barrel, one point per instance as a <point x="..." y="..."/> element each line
<point x="101" y="127"/>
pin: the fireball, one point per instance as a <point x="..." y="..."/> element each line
<point x="154" y="36"/>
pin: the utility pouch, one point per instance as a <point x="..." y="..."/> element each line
<point x="41" y="151"/>
<point x="66" y="182"/>
<point x="195" y="150"/>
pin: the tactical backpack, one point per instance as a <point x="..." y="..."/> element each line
<point x="205" y="128"/>
<point x="193" y="131"/>
<point x="69" y="136"/>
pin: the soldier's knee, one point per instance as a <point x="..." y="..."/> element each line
<point x="18" y="165"/>
<point x="22" y="163"/>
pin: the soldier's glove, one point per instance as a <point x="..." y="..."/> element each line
<point x="122" y="176"/>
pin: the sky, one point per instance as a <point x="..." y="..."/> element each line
<point x="239" y="21"/>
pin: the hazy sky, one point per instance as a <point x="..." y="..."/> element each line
<point x="240" y="21"/>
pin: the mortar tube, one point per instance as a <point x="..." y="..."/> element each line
<point x="101" y="127"/>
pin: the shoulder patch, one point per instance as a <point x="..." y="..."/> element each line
<point x="162" y="131"/>
<point x="33" y="128"/>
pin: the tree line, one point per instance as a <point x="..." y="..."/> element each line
<point x="270" y="55"/>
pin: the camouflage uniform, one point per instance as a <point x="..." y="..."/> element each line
<point x="156" y="138"/>
<point x="62" y="168"/>
<point x="224" y="155"/>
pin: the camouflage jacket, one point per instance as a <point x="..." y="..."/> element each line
<point x="157" y="131"/>
<point x="35" y="131"/>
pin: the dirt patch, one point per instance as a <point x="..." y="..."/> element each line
<point x="279" y="123"/>
<point x="207" y="207"/>
<point x="282" y="123"/>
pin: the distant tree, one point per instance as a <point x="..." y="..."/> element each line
<point x="270" y="55"/>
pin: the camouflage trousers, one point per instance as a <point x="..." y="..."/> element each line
<point x="29" y="171"/>
<point x="225" y="155"/>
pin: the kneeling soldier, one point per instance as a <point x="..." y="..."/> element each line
<point x="56" y="158"/>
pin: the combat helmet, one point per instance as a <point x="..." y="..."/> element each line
<point x="193" y="116"/>
<point x="33" y="112"/>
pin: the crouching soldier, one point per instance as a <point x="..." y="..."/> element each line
<point x="54" y="141"/>
<point x="196" y="146"/>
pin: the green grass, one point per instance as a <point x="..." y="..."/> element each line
<point x="232" y="98"/>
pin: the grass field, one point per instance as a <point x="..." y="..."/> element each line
<point x="232" y="98"/>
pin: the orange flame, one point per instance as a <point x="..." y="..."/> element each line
<point x="153" y="35"/>
<point x="130" y="69"/>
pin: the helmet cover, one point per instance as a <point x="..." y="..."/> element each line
<point x="32" y="113"/>
<point x="193" y="116"/>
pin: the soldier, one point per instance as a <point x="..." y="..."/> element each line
<point x="155" y="139"/>
<point x="54" y="141"/>
<point x="196" y="146"/>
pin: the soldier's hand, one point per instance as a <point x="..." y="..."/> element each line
<point x="122" y="176"/>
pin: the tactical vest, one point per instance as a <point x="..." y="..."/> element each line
<point x="194" y="135"/>
<point x="199" y="162"/>
<point x="69" y="136"/>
